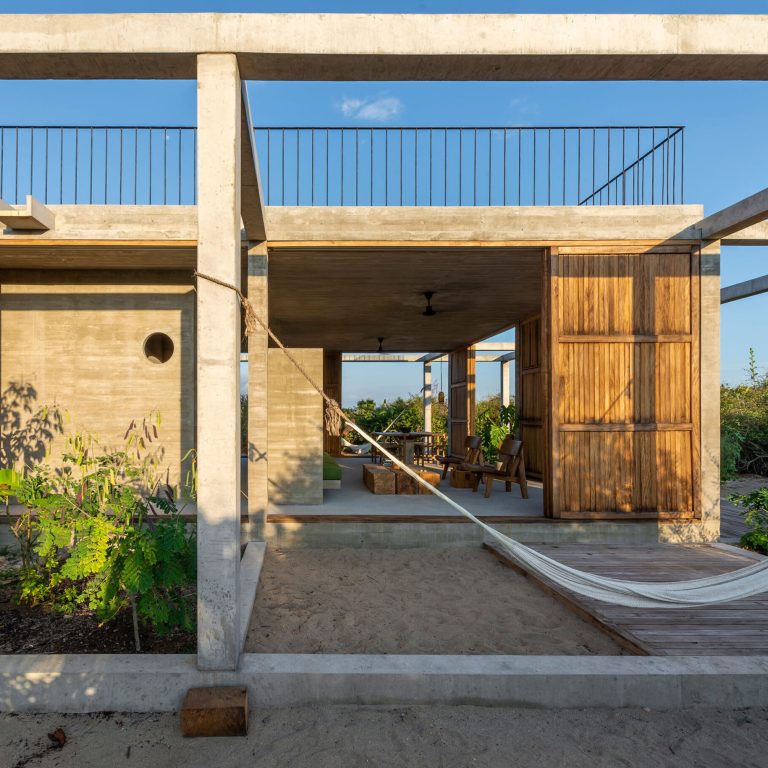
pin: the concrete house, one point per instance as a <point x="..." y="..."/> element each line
<point x="583" y="239"/>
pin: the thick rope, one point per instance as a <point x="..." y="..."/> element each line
<point x="711" y="590"/>
<point x="333" y="415"/>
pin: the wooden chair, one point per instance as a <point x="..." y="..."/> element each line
<point x="509" y="467"/>
<point x="472" y="446"/>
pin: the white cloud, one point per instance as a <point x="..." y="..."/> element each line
<point x="375" y="110"/>
<point x="350" y="106"/>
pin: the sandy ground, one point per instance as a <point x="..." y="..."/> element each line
<point x="448" y="601"/>
<point x="337" y="737"/>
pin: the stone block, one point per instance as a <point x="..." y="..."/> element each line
<point x="216" y="711"/>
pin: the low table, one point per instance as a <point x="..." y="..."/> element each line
<point x="380" y="479"/>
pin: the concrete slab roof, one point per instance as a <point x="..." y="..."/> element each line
<point x="388" y="46"/>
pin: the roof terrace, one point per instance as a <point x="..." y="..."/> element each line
<point x="340" y="166"/>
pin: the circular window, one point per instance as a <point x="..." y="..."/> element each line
<point x="158" y="348"/>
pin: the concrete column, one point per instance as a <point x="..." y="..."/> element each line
<point x="710" y="390"/>
<point x="258" y="476"/>
<point x="504" y="371"/>
<point x="218" y="362"/>
<point x="427" y="395"/>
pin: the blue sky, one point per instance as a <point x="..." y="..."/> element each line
<point x="726" y="129"/>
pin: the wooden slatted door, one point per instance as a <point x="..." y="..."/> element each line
<point x="530" y="395"/>
<point x="461" y="397"/>
<point x="624" y="363"/>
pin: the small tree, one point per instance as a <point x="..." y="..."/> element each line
<point x="105" y="533"/>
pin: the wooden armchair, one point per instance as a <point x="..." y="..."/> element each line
<point x="471" y="455"/>
<point x="509" y="467"/>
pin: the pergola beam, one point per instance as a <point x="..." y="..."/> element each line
<point x="387" y="47"/>
<point x="757" y="234"/>
<point x="751" y="210"/>
<point x="744" y="290"/>
<point x="432" y="357"/>
<point x="252" y="200"/>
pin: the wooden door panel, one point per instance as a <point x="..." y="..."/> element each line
<point x="623" y="349"/>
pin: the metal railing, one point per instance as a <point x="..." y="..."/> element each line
<point x="563" y="165"/>
<point x="99" y="164"/>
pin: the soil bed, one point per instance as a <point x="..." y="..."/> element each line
<point x="37" y="629"/>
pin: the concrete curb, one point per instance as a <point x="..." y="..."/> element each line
<point x="156" y="683"/>
<point x="250" y="570"/>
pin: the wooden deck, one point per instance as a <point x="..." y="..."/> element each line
<point x="732" y="629"/>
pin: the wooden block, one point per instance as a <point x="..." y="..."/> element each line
<point x="460" y="478"/>
<point x="378" y="480"/>
<point x="216" y="711"/>
<point x="407" y="486"/>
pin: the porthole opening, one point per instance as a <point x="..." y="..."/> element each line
<point x="158" y="348"/>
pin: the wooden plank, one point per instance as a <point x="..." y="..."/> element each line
<point x="739" y="627"/>
<point x="626" y="427"/>
<point x="429" y="519"/>
<point x="695" y="383"/>
<point x="626" y="338"/>
<point x="549" y="359"/>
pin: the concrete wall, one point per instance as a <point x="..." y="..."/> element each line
<point x="295" y="417"/>
<point x="77" y="339"/>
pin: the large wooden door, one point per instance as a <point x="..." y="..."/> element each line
<point x="529" y="395"/>
<point x="624" y="380"/>
<point x="461" y="398"/>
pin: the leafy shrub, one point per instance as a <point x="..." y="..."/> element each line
<point x="744" y="424"/>
<point x="755" y="515"/>
<point x="494" y="422"/>
<point x="103" y="532"/>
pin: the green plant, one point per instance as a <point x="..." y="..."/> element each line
<point x="108" y="534"/>
<point x="755" y="515"/>
<point x="494" y="423"/>
<point x="744" y="424"/>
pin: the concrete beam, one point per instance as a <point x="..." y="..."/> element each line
<point x="541" y="225"/>
<point x="351" y="357"/>
<point x="252" y="198"/>
<point x="751" y="210"/>
<point x="744" y="290"/>
<point x="389" y="46"/>
<point x="495" y="346"/>
<point x="757" y="234"/>
<point x="129" y="223"/>
<point x="218" y="369"/>
<point x="33" y="215"/>
<point x="504" y="381"/>
<point x="157" y="682"/>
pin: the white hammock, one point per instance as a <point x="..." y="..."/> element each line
<point x="722" y="588"/>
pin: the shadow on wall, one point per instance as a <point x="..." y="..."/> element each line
<point x="26" y="428"/>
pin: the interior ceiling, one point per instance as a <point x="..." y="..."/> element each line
<point x="345" y="299"/>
